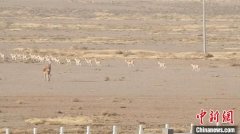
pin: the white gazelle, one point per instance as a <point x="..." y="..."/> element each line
<point x="195" y="67"/>
<point x="130" y="62"/>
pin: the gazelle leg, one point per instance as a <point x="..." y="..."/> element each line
<point x="49" y="76"/>
<point x="44" y="74"/>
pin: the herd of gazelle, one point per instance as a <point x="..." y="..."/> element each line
<point x="78" y="61"/>
<point x="47" y="58"/>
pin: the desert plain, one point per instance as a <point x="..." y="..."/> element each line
<point x="112" y="31"/>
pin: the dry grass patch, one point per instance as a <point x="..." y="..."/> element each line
<point x="105" y="117"/>
<point x="75" y="100"/>
<point x="109" y="114"/>
<point x="20" y="102"/>
<point x="79" y="120"/>
<point x="235" y="65"/>
<point x="107" y="78"/>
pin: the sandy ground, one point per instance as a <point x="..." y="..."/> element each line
<point x="143" y="94"/>
<point x="114" y="94"/>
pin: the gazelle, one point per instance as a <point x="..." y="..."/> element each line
<point x="25" y="57"/>
<point x="98" y="62"/>
<point x="47" y="59"/>
<point x="2" y="56"/>
<point x="88" y="61"/>
<point x="195" y="67"/>
<point x="56" y="60"/>
<point x="129" y="62"/>
<point x="78" y="62"/>
<point x="13" y="56"/>
<point x="68" y="61"/>
<point x="33" y="57"/>
<point x="47" y="71"/>
<point x="39" y="59"/>
<point x="161" y="65"/>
